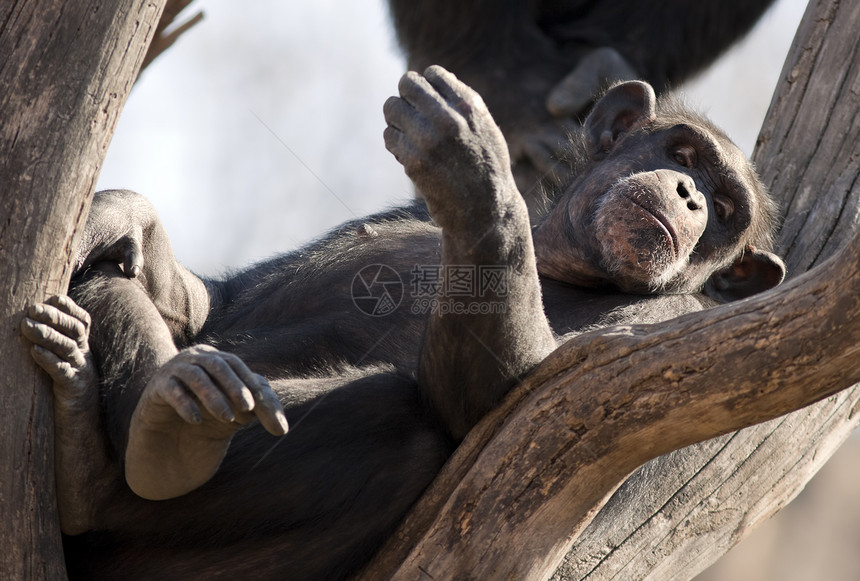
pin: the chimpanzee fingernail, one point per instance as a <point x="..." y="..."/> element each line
<point x="135" y="271"/>
<point x="282" y="421"/>
<point x="247" y="398"/>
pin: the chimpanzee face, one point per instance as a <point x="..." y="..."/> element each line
<point x="677" y="212"/>
<point x="666" y="203"/>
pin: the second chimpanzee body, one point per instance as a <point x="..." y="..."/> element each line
<point x="663" y="207"/>
<point x="539" y="63"/>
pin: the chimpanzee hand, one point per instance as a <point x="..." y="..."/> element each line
<point x="210" y="389"/>
<point x="59" y="331"/>
<point x="186" y="417"/>
<point x="538" y="106"/>
<point x="449" y="145"/>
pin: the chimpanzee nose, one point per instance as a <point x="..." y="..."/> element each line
<point x="686" y="188"/>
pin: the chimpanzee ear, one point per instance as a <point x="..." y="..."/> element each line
<point x="623" y="108"/>
<point x="752" y="273"/>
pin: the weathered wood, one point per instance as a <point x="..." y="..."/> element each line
<point x="66" y="67"/>
<point x="679" y="513"/>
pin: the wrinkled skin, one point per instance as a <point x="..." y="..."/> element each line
<point x="199" y="376"/>
<point x="682" y="205"/>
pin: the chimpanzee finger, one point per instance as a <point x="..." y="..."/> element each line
<point x="267" y="406"/>
<point x="60" y="371"/>
<point x="177" y="397"/>
<point x="133" y="257"/>
<point x="401" y="147"/>
<point x="198" y="382"/>
<point x="400" y="115"/>
<point x="456" y="93"/>
<point x="71" y="308"/>
<point x="418" y="93"/>
<point x="269" y="409"/>
<point x="393" y="138"/>
<point x="227" y="380"/>
<point x="68" y="325"/>
<point x="394" y="110"/>
<point x="49" y="338"/>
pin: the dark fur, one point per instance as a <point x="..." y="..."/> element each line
<point x="666" y="42"/>
<point x="361" y="447"/>
<point x="363" y="441"/>
<point x="515" y="53"/>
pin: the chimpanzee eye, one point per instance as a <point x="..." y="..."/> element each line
<point x="685" y="156"/>
<point x="723" y="207"/>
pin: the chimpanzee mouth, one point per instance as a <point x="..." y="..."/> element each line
<point x="659" y="219"/>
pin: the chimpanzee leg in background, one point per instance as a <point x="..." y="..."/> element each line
<point x="538" y="63"/>
<point x="474" y="346"/>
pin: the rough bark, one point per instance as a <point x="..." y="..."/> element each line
<point x="525" y="483"/>
<point x="66" y="67"/>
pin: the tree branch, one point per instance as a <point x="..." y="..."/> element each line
<point x="66" y="69"/>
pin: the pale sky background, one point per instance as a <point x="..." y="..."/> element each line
<point x="262" y="127"/>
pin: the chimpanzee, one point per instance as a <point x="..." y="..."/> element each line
<point x="539" y="63"/>
<point x="379" y="379"/>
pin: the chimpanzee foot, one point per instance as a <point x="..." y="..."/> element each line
<point x="187" y="416"/>
<point x="59" y="331"/>
<point x="85" y="473"/>
<point x="442" y="133"/>
<point x="594" y="72"/>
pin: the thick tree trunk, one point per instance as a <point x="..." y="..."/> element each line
<point x="521" y="488"/>
<point x="66" y="67"/>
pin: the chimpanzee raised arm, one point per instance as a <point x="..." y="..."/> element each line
<point x="437" y="126"/>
